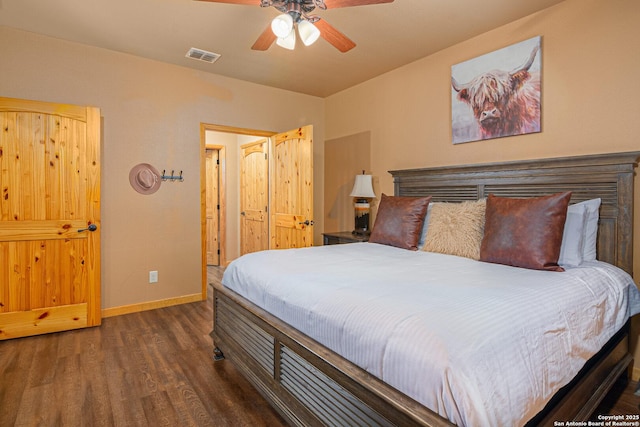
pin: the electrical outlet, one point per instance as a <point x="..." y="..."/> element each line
<point x="153" y="276"/>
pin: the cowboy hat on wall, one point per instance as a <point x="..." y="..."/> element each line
<point x="145" y="179"/>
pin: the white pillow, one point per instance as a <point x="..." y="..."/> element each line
<point x="425" y="226"/>
<point x="580" y="233"/>
<point x="591" y="228"/>
<point x="572" y="246"/>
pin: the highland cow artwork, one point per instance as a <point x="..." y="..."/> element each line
<point x="497" y="94"/>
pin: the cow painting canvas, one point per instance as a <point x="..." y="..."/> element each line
<point x="497" y="94"/>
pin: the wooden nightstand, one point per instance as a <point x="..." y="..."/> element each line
<point x="339" y="237"/>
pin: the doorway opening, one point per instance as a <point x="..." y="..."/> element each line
<point x="225" y="141"/>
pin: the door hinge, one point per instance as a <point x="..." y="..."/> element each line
<point x="218" y="207"/>
<point x="217" y="161"/>
<point x="218" y="251"/>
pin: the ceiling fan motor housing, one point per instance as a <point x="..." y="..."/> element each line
<point x="297" y="9"/>
<point x="298" y="12"/>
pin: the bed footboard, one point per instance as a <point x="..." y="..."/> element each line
<point x="310" y="385"/>
<point x="306" y="383"/>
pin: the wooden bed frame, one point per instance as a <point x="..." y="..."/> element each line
<point x="310" y="385"/>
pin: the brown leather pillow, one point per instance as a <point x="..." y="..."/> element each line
<point x="525" y="232"/>
<point x="399" y="221"/>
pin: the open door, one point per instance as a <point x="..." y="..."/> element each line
<point x="49" y="217"/>
<point x="254" y="196"/>
<point x="212" y="165"/>
<point x="292" y="189"/>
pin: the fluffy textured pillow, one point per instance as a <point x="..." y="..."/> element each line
<point x="399" y="221"/>
<point x="456" y="228"/>
<point x="525" y="232"/>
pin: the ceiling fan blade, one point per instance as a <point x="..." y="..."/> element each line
<point x="248" y="2"/>
<point x="332" y="4"/>
<point x="335" y="37"/>
<point x="265" y="40"/>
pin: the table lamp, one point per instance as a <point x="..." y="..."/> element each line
<point x="362" y="192"/>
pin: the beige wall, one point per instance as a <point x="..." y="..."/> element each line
<point x="590" y="97"/>
<point x="151" y="112"/>
<point x="344" y="158"/>
<point x="590" y="92"/>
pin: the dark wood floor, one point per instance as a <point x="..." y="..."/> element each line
<point x="151" y="368"/>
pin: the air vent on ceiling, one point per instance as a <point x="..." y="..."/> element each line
<point x="202" y="55"/>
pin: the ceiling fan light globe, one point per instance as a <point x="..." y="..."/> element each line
<point x="282" y="25"/>
<point x="288" y="42"/>
<point x="309" y="33"/>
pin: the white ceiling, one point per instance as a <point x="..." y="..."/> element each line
<point x="388" y="36"/>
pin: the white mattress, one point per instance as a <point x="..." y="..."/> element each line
<point x="481" y="344"/>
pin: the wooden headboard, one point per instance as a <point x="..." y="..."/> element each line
<point x="607" y="176"/>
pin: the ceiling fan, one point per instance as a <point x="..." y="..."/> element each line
<point x="298" y="13"/>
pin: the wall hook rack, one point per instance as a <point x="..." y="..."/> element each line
<point x="171" y="177"/>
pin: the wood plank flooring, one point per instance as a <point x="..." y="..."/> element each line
<point x="152" y="368"/>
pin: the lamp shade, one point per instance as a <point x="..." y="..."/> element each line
<point x="308" y="32"/>
<point x="363" y="187"/>
<point x="282" y="25"/>
<point x="288" y="42"/>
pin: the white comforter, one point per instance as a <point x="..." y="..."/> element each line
<point x="481" y="344"/>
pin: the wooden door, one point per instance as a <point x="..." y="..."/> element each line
<point x="50" y="184"/>
<point x="212" y="206"/>
<point x="292" y="189"/>
<point x="254" y="197"/>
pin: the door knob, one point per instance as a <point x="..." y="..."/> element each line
<point x="91" y="227"/>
